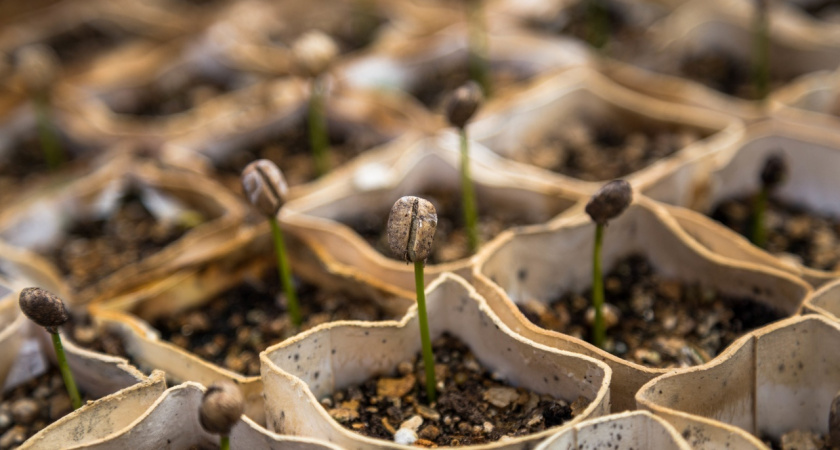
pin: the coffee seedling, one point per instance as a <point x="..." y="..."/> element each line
<point x="761" y="50"/>
<point x="411" y="232"/>
<point x="478" y="62"/>
<point x="266" y="189"/>
<point x="38" y="66"/>
<point x="773" y="173"/>
<point x="48" y="311"/>
<point x="221" y="407"/>
<point x="607" y="204"/>
<point x="314" y="52"/>
<point x="460" y="108"/>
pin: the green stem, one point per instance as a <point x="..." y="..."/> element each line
<point x="758" y="232"/>
<point x="598" y="328"/>
<point x="761" y="56"/>
<point x="224" y="443"/>
<point x="596" y="24"/>
<point x="69" y="382"/>
<point x="285" y="273"/>
<point x="478" y="62"/>
<point x="47" y="134"/>
<point x="425" y="340"/>
<point x="318" y="128"/>
<point x="468" y="195"/>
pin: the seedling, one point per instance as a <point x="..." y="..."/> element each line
<point x="772" y="175"/>
<point x="608" y="203"/>
<point x="597" y="23"/>
<point x="478" y="63"/>
<point x="460" y="108"/>
<point x="314" y="53"/>
<point x="221" y="407"/>
<point x="38" y="67"/>
<point x="266" y="189"/>
<point x="411" y="232"/>
<point x="48" y="311"/>
<point x="761" y="50"/>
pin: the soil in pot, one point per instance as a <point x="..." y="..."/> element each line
<point x="658" y="322"/>
<point x="799" y="440"/>
<point x="727" y="74"/>
<point x="474" y="406"/>
<point x="827" y="10"/>
<point x="92" y="249"/>
<point x="600" y="150"/>
<point x="85" y="41"/>
<point x="232" y="329"/>
<point x="792" y="231"/>
<point x="32" y="406"/>
<point x="25" y="161"/>
<point x="172" y="96"/>
<point x="291" y="151"/>
<point x="450" y="237"/>
<point x="439" y="80"/>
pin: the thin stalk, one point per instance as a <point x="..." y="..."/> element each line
<point x="596" y="24"/>
<point x="66" y="374"/>
<point x="598" y="329"/>
<point x="425" y="340"/>
<point x="285" y="272"/>
<point x="47" y="134"/>
<point x="478" y="63"/>
<point x="224" y="443"/>
<point x="761" y="53"/>
<point x="758" y="232"/>
<point x="468" y="195"/>
<point x="318" y="128"/>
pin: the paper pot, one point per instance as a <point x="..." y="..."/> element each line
<point x="41" y="224"/>
<point x="337" y="355"/>
<point x="12" y="324"/>
<point x="780" y="378"/>
<point x="370" y="188"/>
<point x="810" y="153"/>
<point x="825" y="301"/>
<point x="172" y="422"/>
<point x="582" y="95"/>
<point x="624" y="431"/>
<point x="814" y="99"/>
<point x="539" y="264"/>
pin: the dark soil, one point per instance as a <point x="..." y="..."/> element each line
<point x="658" y="322"/>
<point x="720" y="71"/>
<point x="291" y="151"/>
<point x="809" y="238"/>
<point x="799" y="440"/>
<point x="233" y="328"/>
<point x="93" y="249"/>
<point x="820" y="9"/>
<point x="87" y="40"/>
<point x="183" y="94"/>
<point x="32" y="406"/>
<point x="603" y="150"/>
<point x="84" y="333"/>
<point x="474" y="407"/>
<point x="26" y="161"/>
<point x="440" y="80"/>
<point x="450" y="236"/>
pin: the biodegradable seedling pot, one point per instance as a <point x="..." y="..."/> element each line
<point x="811" y="183"/>
<point x="624" y="431"/>
<point x="542" y="262"/>
<point x="813" y="99"/>
<point x="300" y="371"/>
<point x="12" y="325"/>
<point x="41" y="223"/>
<point x="825" y="301"/>
<point x="582" y="95"/>
<point x="370" y="188"/>
<point x="172" y="422"/>
<point x="779" y="378"/>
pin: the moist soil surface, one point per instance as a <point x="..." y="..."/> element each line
<point x="86" y="40"/>
<point x="93" y="249"/>
<point x="601" y="151"/>
<point x="450" y="242"/>
<point x="792" y="232"/>
<point x="718" y="70"/>
<point x="658" y="322"/>
<point x="26" y="162"/>
<point x="30" y="407"/>
<point x="157" y="100"/>
<point x="292" y="153"/>
<point x="473" y="407"/>
<point x="234" y="327"/>
<point x="439" y="80"/>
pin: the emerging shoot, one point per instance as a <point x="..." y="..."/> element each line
<point x="772" y="175"/>
<point x="608" y="203"/>
<point x="761" y="50"/>
<point x="460" y="108"/>
<point x="38" y="66"/>
<point x="314" y="53"/>
<point x="48" y="311"/>
<point x="266" y="189"/>
<point x="221" y="407"/>
<point x="478" y="62"/>
<point x="597" y="23"/>
<point x="411" y="232"/>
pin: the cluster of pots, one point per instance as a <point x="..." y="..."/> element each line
<point x="233" y="63"/>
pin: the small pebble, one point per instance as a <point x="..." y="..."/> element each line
<point x="405" y="436"/>
<point x="25" y="411"/>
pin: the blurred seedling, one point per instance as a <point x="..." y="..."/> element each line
<point x="38" y="67"/>
<point x="773" y="173"/>
<point x="221" y="407"/>
<point x="479" y="63"/>
<point x="411" y="232"/>
<point x="761" y="50"/>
